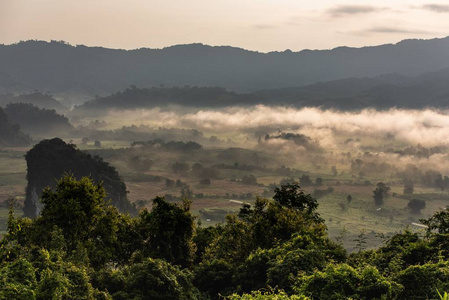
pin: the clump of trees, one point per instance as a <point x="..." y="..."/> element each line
<point x="200" y="171"/>
<point x="81" y="247"/>
<point x="171" y="145"/>
<point x="249" y="179"/>
<point x="380" y="193"/>
<point x="180" y="167"/>
<point x="409" y="188"/>
<point x="429" y="178"/>
<point x="416" y="205"/>
<point x="140" y="164"/>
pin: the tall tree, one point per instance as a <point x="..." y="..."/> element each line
<point x="168" y="231"/>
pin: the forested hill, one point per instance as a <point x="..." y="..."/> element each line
<point x="133" y="97"/>
<point x="36" y="98"/>
<point x="10" y="134"/>
<point x="36" y="121"/>
<point x="382" y="92"/>
<point x="59" y="67"/>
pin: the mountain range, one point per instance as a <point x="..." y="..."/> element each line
<point x="63" y="69"/>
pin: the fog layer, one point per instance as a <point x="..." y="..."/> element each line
<point x="427" y="127"/>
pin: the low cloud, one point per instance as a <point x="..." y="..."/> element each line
<point x="312" y="133"/>
<point x="439" y="8"/>
<point x="428" y="127"/>
<point x="388" y="29"/>
<point x="347" y="10"/>
<point x="264" y="26"/>
<point x="384" y="30"/>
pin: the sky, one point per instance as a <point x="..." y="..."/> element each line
<point x="260" y="25"/>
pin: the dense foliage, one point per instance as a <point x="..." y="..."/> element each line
<point x="81" y="247"/>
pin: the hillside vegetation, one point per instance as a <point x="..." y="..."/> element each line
<point x="10" y="134"/>
<point x="80" y="247"/>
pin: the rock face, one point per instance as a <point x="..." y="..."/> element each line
<point x="50" y="159"/>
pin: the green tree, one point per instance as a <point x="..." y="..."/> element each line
<point x="150" y="279"/>
<point x="168" y="232"/>
<point x="360" y="241"/>
<point x="214" y="278"/>
<point x="292" y="196"/>
<point x="267" y="295"/>
<point x="349" y="199"/>
<point x="344" y="282"/>
<point x="86" y="220"/>
<point x="408" y="188"/>
<point x="423" y="281"/>
<point x="416" y="205"/>
<point x="249" y="179"/>
<point x="380" y="193"/>
<point x="438" y="222"/>
<point x="334" y="170"/>
<point x="18" y="280"/>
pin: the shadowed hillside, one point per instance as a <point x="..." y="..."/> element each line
<point x="382" y="92"/>
<point x="36" y="98"/>
<point x="10" y="135"/>
<point x="36" y="121"/>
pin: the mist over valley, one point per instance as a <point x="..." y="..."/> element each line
<point x="203" y="172"/>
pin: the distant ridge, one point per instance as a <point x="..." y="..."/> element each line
<point x="382" y="92"/>
<point x="61" y="68"/>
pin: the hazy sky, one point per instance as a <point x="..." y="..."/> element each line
<point x="262" y="25"/>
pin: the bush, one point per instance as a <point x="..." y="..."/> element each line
<point x="343" y="282"/>
<point x="262" y="295"/>
<point x="214" y="278"/>
<point x="205" y="181"/>
<point x="249" y="179"/>
<point x="156" y="279"/>
<point x="422" y="281"/>
<point x="416" y="205"/>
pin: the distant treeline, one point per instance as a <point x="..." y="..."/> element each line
<point x="171" y="146"/>
<point x="384" y="92"/>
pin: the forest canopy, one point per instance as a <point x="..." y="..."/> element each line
<point x="82" y="247"/>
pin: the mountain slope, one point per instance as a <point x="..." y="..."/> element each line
<point x="10" y="134"/>
<point x="59" y="67"/>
